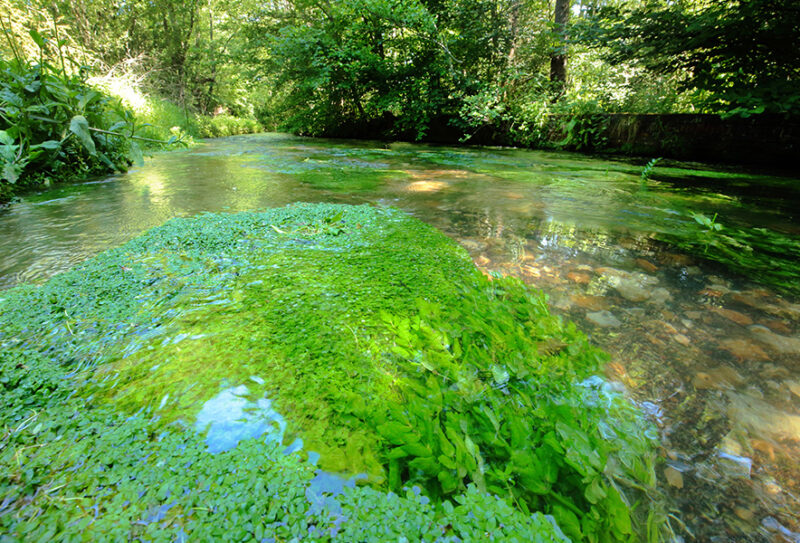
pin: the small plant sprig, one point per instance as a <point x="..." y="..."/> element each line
<point x="711" y="224"/>
<point x="647" y="171"/>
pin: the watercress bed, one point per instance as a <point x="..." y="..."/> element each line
<point x="361" y="345"/>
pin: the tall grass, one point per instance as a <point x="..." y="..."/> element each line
<point x="218" y="126"/>
<point x="161" y="119"/>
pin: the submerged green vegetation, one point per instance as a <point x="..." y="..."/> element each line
<point x="758" y="253"/>
<point x="387" y="353"/>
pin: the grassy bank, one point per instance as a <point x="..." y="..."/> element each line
<point x="380" y="346"/>
<point x="57" y="126"/>
<point x="161" y="119"/>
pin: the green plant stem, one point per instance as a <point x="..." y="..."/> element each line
<point x="566" y="503"/>
<point x="140" y="138"/>
<point x="7" y="33"/>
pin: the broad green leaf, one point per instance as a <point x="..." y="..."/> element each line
<point x="37" y="38"/>
<point x="446" y="461"/>
<point x="618" y="511"/>
<point x="5" y="138"/>
<point x="417" y="449"/>
<point x="87" y="99"/>
<point x="11" y="98"/>
<point x="116" y="126"/>
<point x="80" y="127"/>
<point x="50" y="145"/>
<point x="11" y="172"/>
<point x="595" y="491"/>
<point x="107" y="161"/>
<point x="33" y="87"/>
<point x="448" y="482"/>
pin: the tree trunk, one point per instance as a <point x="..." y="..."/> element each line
<point x="558" y="60"/>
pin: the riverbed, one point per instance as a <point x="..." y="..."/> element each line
<point x="711" y="353"/>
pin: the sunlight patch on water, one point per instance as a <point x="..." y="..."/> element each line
<point x="426" y="186"/>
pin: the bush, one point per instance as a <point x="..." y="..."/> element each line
<point x="218" y="126"/>
<point x="54" y="126"/>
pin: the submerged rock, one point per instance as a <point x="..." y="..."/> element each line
<point x="646" y="265"/>
<point x="579" y="277"/>
<point x="660" y="296"/>
<point x="593" y="303"/>
<point x="734" y="316"/>
<point x="761" y="419"/>
<point x="604" y="319"/>
<point x="744" y="349"/>
<point x="634" y="287"/>
<point x="777" y="342"/>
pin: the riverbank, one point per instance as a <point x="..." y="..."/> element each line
<point x="769" y="142"/>
<point x="59" y="127"/>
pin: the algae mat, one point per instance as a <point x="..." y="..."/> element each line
<point x="159" y="391"/>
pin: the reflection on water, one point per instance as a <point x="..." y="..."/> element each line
<point x="714" y="359"/>
<point x="229" y="417"/>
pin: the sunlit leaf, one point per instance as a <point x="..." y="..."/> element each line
<point x="79" y="126"/>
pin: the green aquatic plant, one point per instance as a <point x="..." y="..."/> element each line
<point x="376" y="338"/>
<point x="489" y="396"/>
<point x="647" y="171"/>
<point x="711" y="224"/>
<point x="78" y="472"/>
<point x="769" y="256"/>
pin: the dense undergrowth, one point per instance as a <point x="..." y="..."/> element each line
<point x="388" y="354"/>
<point x="54" y="126"/>
<point x="58" y="125"/>
<point x="161" y="119"/>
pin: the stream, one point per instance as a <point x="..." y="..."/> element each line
<point x="711" y="355"/>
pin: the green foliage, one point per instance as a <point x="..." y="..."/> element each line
<point x="160" y="120"/>
<point x="49" y="122"/>
<point x="489" y="398"/>
<point x="647" y="171"/>
<point x="54" y="125"/>
<point x="388" y="352"/>
<point x="362" y="64"/>
<point x="759" y="253"/>
<point x="78" y="473"/>
<point x="583" y="131"/>
<point x="225" y="125"/>
<point x="733" y="54"/>
<point x="467" y="69"/>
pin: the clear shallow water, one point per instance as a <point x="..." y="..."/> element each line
<point x="714" y="357"/>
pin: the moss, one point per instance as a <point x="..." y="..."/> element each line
<point x="377" y="339"/>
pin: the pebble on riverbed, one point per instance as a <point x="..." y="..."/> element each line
<point x="734" y="316"/>
<point x="781" y="344"/>
<point x="604" y="319"/>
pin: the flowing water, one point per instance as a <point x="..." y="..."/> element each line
<point x="712" y="355"/>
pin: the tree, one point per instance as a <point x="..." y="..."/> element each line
<point x="558" y="59"/>
<point x="737" y="56"/>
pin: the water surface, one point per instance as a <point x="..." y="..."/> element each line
<point x="711" y="354"/>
